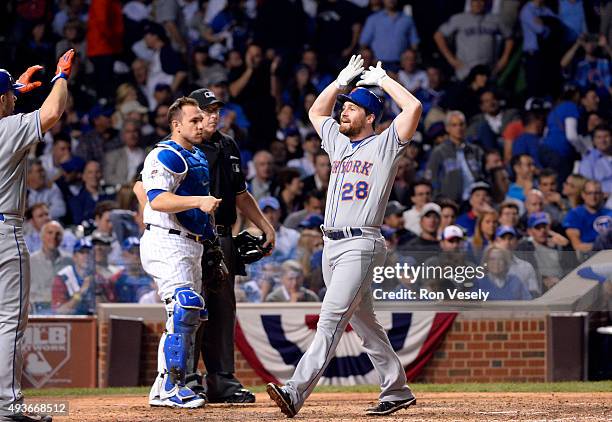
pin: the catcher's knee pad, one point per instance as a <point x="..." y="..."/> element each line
<point x="187" y="309"/>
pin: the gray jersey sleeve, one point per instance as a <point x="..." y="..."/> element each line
<point x="450" y="27"/>
<point x="330" y="129"/>
<point x="389" y="141"/>
<point x="19" y="132"/>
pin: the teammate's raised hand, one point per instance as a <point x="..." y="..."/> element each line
<point x="209" y="204"/>
<point x="350" y="72"/>
<point x="64" y="66"/>
<point x="373" y="76"/>
<point x="24" y="80"/>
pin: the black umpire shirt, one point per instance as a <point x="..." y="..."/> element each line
<point x="226" y="176"/>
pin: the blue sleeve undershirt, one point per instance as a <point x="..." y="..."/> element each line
<point x="154" y="193"/>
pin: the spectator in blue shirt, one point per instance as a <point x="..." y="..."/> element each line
<point x="571" y="13"/>
<point x="534" y="31"/>
<point x="591" y="70"/>
<point x="582" y="223"/>
<point x="431" y="95"/>
<point x="524" y="170"/>
<point x="529" y="141"/>
<point x="499" y="282"/>
<point x="389" y="32"/>
<point x="558" y="146"/>
<point x="532" y="24"/>
<point x="597" y="164"/>
<point x="82" y="204"/>
<point x="133" y="282"/>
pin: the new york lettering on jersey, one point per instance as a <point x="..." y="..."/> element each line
<point x="361" y="178"/>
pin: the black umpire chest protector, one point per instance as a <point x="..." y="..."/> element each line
<point x="225" y="175"/>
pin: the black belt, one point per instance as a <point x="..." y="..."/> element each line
<point x="338" y="234"/>
<point x="223" y="231"/>
<point x="195" y="237"/>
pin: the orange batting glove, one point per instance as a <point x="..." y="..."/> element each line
<point x="64" y="66"/>
<point x="24" y="84"/>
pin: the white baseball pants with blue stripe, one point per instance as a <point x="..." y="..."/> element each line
<point x="14" y="292"/>
<point x="173" y="261"/>
<point x="347" y="272"/>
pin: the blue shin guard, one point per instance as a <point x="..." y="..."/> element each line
<point x="176" y="349"/>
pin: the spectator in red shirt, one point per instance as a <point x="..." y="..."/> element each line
<point x="104" y="41"/>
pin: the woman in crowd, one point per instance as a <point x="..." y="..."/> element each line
<point x="484" y="234"/>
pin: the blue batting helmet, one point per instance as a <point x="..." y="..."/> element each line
<point x="7" y="82"/>
<point x="365" y="98"/>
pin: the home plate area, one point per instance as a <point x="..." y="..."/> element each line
<point x="350" y="407"/>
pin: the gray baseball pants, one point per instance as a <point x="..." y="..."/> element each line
<point x="347" y="272"/>
<point x="14" y="293"/>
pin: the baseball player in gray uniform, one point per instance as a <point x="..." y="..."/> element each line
<point x="18" y="133"/>
<point x="364" y="166"/>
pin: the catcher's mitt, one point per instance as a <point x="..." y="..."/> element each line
<point x="214" y="270"/>
<point x="250" y="248"/>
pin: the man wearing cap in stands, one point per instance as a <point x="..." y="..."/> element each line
<point x="506" y="237"/>
<point x="134" y="281"/>
<point x="551" y="251"/>
<point x="101" y="138"/>
<point x="453" y="254"/>
<point x="426" y="244"/>
<point x="480" y="201"/>
<point x="394" y="220"/>
<point x="73" y="290"/>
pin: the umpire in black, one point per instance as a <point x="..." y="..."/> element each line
<point x="215" y="338"/>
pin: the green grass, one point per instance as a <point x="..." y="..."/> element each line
<point x="544" y="387"/>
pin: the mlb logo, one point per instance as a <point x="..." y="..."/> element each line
<point x="46" y="350"/>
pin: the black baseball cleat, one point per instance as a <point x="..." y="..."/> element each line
<point x="202" y="395"/>
<point x="387" y="407"/>
<point x="282" y="399"/>
<point x="241" y="396"/>
<point x="28" y="417"/>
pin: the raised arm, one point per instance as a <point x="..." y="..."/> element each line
<point x="406" y="122"/>
<point x="54" y="105"/>
<point x="324" y="104"/>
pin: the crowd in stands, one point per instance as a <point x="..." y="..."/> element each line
<point x="511" y="164"/>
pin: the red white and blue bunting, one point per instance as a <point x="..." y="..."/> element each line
<point x="273" y="340"/>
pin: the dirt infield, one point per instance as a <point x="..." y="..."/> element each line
<point x="349" y="407"/>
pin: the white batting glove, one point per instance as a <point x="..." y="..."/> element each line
<point x="352" y="70"/>
<point x="373" y="76"/>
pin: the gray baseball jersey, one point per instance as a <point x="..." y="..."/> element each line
<point x="17" y="134"/>
<point x="475" y="38"/>
<point x="362" y="176"/>
<point x="360" y="183"/>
